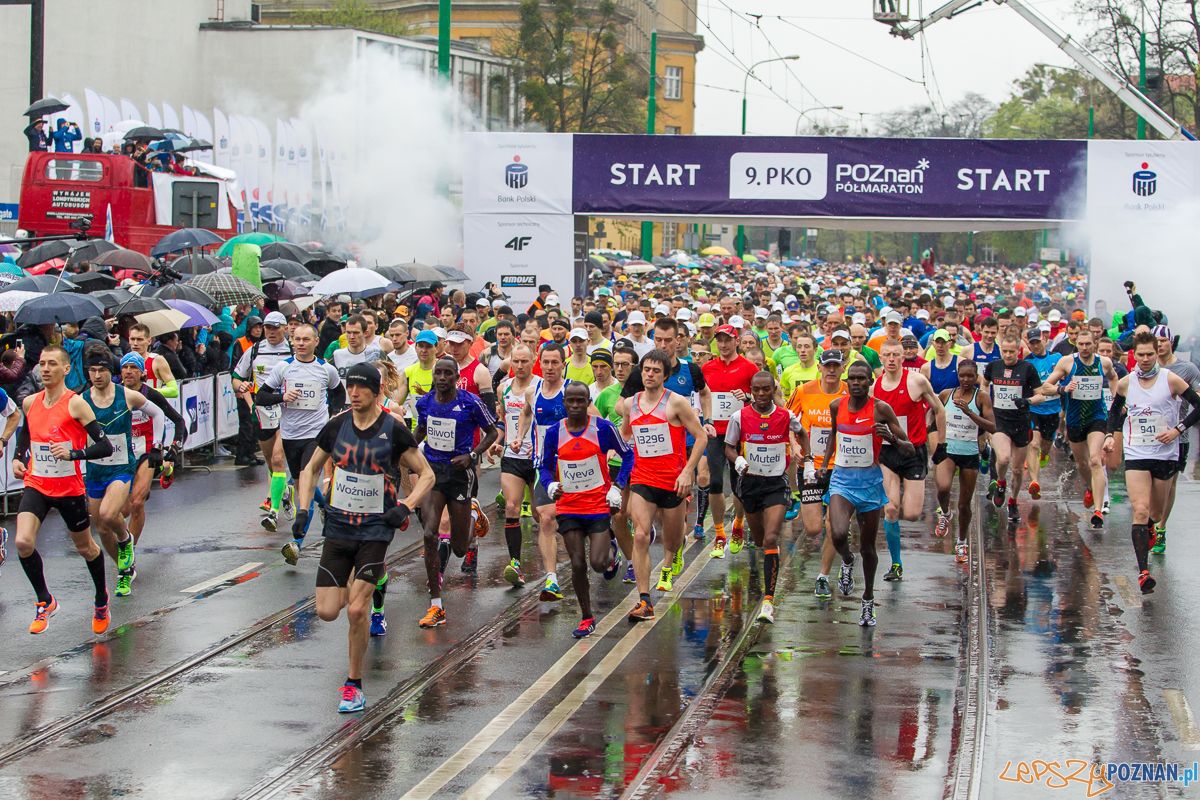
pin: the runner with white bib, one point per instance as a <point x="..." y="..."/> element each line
<point x="108" y="479"/>
<point x="1150" y="396"/>
<point x="1014" y="385"/>
<point x="448" y="419"/>
<point x="366" y="447"/>
<point x="762" y="438"/>
<point x="574" y="469"/>
<point x="663" y="473"/>
<point x="303" y="388"/>
<point x="517" y="473"/>
<point x="862" y="423"/>
<point x="968" y="414"/>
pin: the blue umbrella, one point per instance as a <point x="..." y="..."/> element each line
<point x="198" y="315"/>
<point x="185" y="239"/>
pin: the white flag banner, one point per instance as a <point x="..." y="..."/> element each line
<point x="112" y="114"/>
<point x="129" y="110"/>
<point x="222" y="142"/>
<point x="76" y="114"/>
<point x="189" y="122"/>
<point x="279" y="198"/>
<point x="169" y="117"/>
<point x="266" y="156"/>
<point x="153" y="118"/>
<point x="204" y="131"/>
<point x="95" y="113"/>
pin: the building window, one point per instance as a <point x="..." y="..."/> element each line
<point x="673" y="84"/>
<point x="674" y="130"/>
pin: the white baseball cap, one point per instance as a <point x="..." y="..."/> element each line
<point x="760" y="313"/>
<point x="458" y="336"/>
<point x="636" y="318"/>
<point x="737" y="322"/>
<point x="1019" y="311"/>
<point x="894" y="317"/>
<point x="858" y="318"/>
<point x="684" y="314"/>
<point x="662" y="309"/>
<point x="1054" y="316"/>
<point x="498" y="304"/>
<point x="922" y="313"/>
<point x="275" y="319"/>
<point x="551" y="300"/>
<point x="578" y="333"/>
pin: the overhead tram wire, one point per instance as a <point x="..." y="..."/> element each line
<point x="850" y="50"/>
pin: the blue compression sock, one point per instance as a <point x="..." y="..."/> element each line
<point x="891" y="530"/>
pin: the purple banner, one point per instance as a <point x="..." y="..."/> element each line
<point x="828" y="177"/>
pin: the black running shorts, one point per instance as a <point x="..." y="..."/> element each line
<point x="584" y="525"/>
<point x="757" y="492"/>
<point x="663" y="498"/>
<point x="1079" y="434"/>
<point x="342" y="557"/>
<point x="521" y="467"/>
<point x="1160" y="469"/>
<point x="909" y="468"/>
<point x="456" y="484"/>
<point x="73" y="509"/>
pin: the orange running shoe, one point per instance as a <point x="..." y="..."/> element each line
<point x="1089" y="499"/>
<point x="100" y="620"/>
<point x="482" y="524"/>
<point x="641" y="612"/>
<point x="42" y="613"/>
<point x="433" y="617"/>
<point x="1035" y="490"/>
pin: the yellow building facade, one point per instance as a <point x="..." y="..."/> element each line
<point x="485" y="24"/>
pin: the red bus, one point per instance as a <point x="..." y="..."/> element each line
<point x="60" y="188"/>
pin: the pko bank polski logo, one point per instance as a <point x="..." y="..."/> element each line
<point x="1145" y="181"/>
<point x="516" y="174"/>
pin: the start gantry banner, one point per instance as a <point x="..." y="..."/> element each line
<point x="762" y="176"/>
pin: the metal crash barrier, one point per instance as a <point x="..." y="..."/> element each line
<point x="208" y="407"/>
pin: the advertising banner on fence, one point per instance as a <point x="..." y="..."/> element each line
<point x="519" y="251"/>
<point x="517" y="173"/>
<point x="828" y="177"/>
<point x="226" y="404"/>
<point x="197" y="397"/>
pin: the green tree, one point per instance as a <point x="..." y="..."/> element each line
<point x="354" y="14"/>
<point x="572" y="71"/>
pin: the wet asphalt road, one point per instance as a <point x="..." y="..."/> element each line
<point x="502" y="702"/>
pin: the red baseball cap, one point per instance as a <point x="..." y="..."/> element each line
<point x="728" y="330"/>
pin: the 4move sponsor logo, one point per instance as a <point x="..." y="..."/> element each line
<point x="863" y="178"/>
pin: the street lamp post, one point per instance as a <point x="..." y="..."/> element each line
<point x="818" y="108"/>
<point x="741" y="232"/>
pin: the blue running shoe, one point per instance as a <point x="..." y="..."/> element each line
<point x="550" y="592"/>
<point x="698" y="533"/>
<point x="586" y="628"/>
<point x="793" y="510"/>
<point x="378" y="623"/>
<point x="629" y="576"/>
<point x="353" y="700"/>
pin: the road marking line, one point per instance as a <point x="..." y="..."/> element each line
<point x="237" y="572"/>
<point x="487" y="736"/>
<point x="1132" y="598"/>
<point x="560" y="714"/>
<point x="1181" y="712"/>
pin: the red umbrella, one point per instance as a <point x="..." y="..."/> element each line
<point x="56" y="264"/>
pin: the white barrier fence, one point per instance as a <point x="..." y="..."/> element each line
<point x="208" y="407"/>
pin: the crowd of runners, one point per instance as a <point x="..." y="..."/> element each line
<point x="717" y="404"/>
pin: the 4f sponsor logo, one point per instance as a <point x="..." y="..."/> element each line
<point x="518" y="243"/>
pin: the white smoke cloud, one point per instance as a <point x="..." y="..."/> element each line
<point x="397" y="151"/>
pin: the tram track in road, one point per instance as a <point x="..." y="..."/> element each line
<point x="115" y="700"/>
<point x="965" y="777"/>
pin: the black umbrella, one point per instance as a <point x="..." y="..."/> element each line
<point x="58" y="308"/>
<point x="288" y="250"/>
<point x="124" y="259"/>
<point x="59" y="248"/>
<point x="194" y="145"/>
<point x="184" y="239"/>
<point x="289" y="269"/>
<point x="140" y="305"/>
<point x="397" y="274"/>
<point x="284" y="290"/>
<point x="452" y="273"/>
<point x="183" y="291"/>
<point x="423" y="272"/>
<point x="226" y="289"/>
<point x="197" y="264"/>
<point x="47" y="105"/>
<point x="41" y="283"/>
<point x="111" y="298"/>
<point x="144" y="132"/>
<point x="94" y="281"/>
<point x="89" y="250"/>
<point x="322" y="263"/>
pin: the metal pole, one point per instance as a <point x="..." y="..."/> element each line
<point x="444" y="39"/>
<point x="37" y="47"/>
<point x="739" y="244"/>
<point x="651" y="113"/>
<point x="1141" y="121"/>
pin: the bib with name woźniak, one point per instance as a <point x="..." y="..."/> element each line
<point x="357" y="493"/>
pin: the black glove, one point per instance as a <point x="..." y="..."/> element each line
<point x="300" y="523"/>
<point x="173" y="454"/>
<point x="397" y="517"/>
<point x="155" y="458"/>
<point x="1022" y="403"/>
<point x="939" y="453"/>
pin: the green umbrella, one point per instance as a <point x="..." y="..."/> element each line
<point x="255" y="237"/>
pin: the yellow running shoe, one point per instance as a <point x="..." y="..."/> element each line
<point x="664" y="580"/>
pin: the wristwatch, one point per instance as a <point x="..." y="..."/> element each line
<point x="474" y="456"/>
<point x="1181" y="427"/>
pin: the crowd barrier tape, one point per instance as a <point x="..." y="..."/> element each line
<point x="207" y="404"/>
